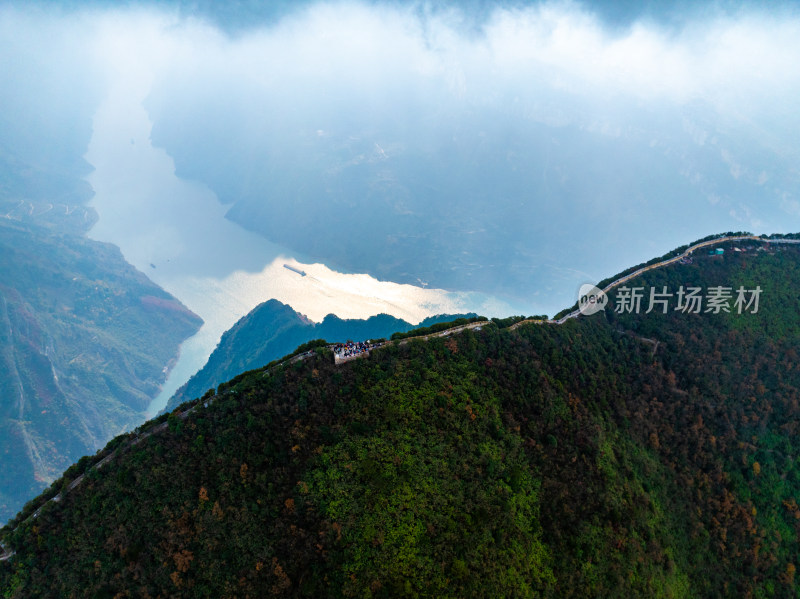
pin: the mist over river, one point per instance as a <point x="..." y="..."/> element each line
<point x="175" y="231"/>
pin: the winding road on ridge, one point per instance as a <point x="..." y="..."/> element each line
<point x="688" y="252"/>
<point x="139" y="437"/>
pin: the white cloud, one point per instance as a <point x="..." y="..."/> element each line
<point x="741" y="64"/>
<point x="554" y="63"/>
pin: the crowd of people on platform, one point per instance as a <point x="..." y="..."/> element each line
<point x="353" y="348"/>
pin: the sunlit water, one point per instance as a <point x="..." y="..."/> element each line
<point x="175" y="232"/>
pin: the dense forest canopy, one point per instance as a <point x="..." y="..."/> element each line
<point x="616" y="455"/>
<point x="272" y="330"/>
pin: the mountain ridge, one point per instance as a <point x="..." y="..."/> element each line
<point x="572" y="460"/>
<point x="273" y="329"/>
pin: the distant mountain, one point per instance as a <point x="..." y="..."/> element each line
<point x="271" y="330"/>
<point x="643" y="453"/>
<point x="85" y="343"/>
<point x="522" y="191"/>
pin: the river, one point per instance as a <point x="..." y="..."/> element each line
<point x="175" y="231"/>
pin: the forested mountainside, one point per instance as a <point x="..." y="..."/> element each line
<point x="84" y="340"/>
<point x="273" y="329"/>
<point x="616" y="455"/>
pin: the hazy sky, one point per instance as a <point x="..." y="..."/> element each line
<point x="744" y="53"/>
<point x="710" y="89"/>
<point x="741" y="61"/>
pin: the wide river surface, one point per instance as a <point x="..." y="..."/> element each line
<point x="175" y="231"/>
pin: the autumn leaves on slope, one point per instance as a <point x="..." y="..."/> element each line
<point x="558" y="461"/>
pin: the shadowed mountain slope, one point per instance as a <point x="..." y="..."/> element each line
<point x="617" y="455"/>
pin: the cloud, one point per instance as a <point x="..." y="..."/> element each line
<point x="546" y="101"/>
<point x="365" y="55"/>
<point x="50" y="87"/>
<point x="741" y="63"/>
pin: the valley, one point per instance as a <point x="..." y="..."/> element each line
<point x="177" y="232"/>
<point x="288" y="299"/>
